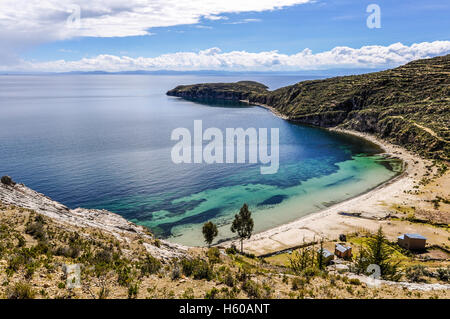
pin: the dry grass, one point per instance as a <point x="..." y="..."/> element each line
<point x="232" y="276"/>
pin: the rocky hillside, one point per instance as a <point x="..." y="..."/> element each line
<point x="18" y="195"/>
<point x="408" y="105"/>
<point x="40" y="239"/>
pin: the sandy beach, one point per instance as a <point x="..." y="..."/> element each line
<point x="372" y="207"/>
<point x="268" y="107"/>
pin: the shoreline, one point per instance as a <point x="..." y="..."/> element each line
<point x="328" y="223"/>
<point x="267" y="107"/>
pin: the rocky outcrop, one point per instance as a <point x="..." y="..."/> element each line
<point x="21" y="196"/>
<point x="408" y="105"/>
<point x="219" y="91"/>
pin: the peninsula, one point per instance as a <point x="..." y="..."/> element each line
<point x="408" y="106"/>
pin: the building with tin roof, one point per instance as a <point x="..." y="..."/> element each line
<point x="343" y="251"/>
<point x="412" y="241"/>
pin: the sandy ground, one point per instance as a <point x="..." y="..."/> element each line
<point x="373" y="206"/>
<point x="268" y="107"/>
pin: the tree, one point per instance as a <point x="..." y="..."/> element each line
<point x="209" y="232"/>
<point x="300" y="259"/>
<point x="320" y="259"/>
<point x="243" y="224"/>
<point x="378" y="252"/>
<point x="307" y="258"/>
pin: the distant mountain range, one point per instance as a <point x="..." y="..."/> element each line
<point x="330" y="72"/>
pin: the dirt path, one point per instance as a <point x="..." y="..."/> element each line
<point x="426" y="129"/>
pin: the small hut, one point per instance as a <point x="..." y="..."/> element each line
<point x="342" y="251"/>
<point x="412" y="241"/>
<point x="327" y="256"/>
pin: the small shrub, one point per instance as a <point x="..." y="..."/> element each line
<point x="42" y="247"/>
<point x="198" y="268"/>
<point x="203" y="271"/>
<point x="6" y="180"/>
<point x="67" y="251"/>
<point x="349" y="290"/>
<point x="124" y="277"/>
<point x="151" y="265"/>
<point x="229" y="293"/>
<point x="30" y="268"/>
<point x="176" y="273"/>
<point x="333" y="281"/>
<point x="267" y="291"/>
<point x="133" y="291"/>
<point x="103" y="293"/>
<point x="298" y="283"/>
<point x="36" y="229"/>
<point x="415" y="273"/>
<point x="231" y="250"/>
<point x="20" y="240"/>
<point x="251" y="288"/>
<point x="242" y="275"/>
<point x="20" y="291"/>
<point x="212" y="294"/>
<point x="188" y="294"/>
<point x="14" y="263"/>
<point x="443" y="273"/>
<point x="310" y="272"/>
<point x="213" y="255"/>
<point x="103" y="256"/>
<point x="187" y="267"/>
<point x="228" y="279"/>
<point x="23" y="257"/>
<point x="354" y="281"/>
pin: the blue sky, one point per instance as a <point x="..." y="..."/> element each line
<point x="320" y="26"/>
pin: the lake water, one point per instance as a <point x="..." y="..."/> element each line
<point x="103" y="141"/>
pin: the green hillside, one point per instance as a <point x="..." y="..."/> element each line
<point x="408" y="105"/>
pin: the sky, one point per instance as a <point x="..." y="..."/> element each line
<point x="226" y="35"/>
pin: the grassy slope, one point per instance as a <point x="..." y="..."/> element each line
<point x="408" y="105"/>
<point x="33" y="250"/>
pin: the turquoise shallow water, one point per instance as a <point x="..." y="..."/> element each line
<point x="103" y="141"/>
<point x="273" y="206"/>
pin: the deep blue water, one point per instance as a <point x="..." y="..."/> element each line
<point x="103" y="141"/>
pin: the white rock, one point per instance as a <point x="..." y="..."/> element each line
<point x="22" y="196"/>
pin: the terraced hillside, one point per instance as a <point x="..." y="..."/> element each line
<point x="408" y="105"/>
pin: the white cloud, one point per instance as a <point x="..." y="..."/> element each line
<point x="215" y="59"/>
<point x="118" y="18"/>
<point x="245" y="21"/>
<point x="214" y="18"/>
<point x="27" y="23"/>
<point x="200" y="26"/>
